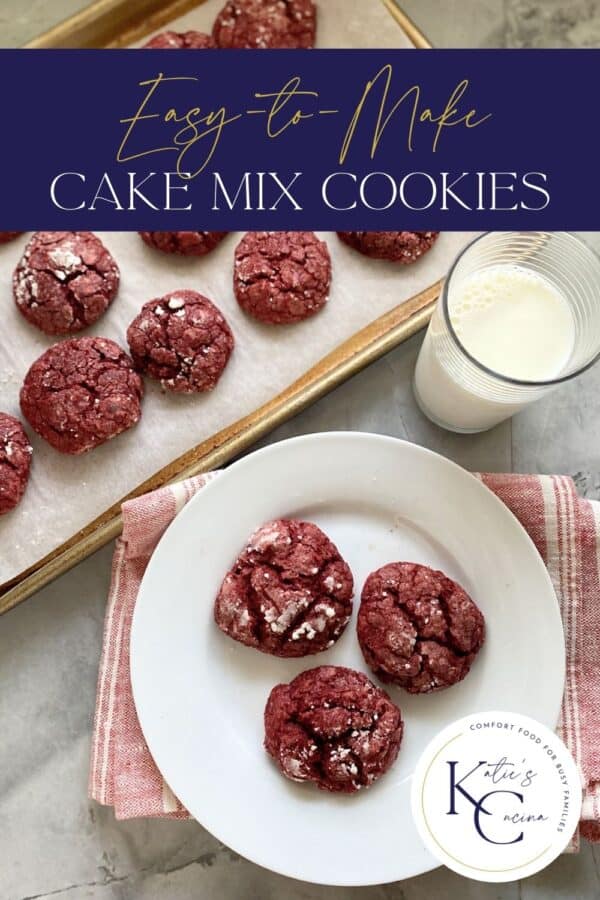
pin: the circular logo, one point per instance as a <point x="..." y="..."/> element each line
<point x="496" y="796"/>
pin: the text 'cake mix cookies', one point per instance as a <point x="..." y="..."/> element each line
<point x="183" y="243"/>
<point x="15" y="462"/>
<point x="182" y="340"/>
<point x="289" y="592"/>
<point x="264" y="24"/>
<point x="81" y="393"/>
<point x="403" y="247"/>
<point x="281" y="277"/>
<point x="64" y="281"/>
<point x="417" y="628"/>
<point x="334" y="727"/>
<point x="180" y="40"/>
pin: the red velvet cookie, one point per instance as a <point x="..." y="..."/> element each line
<point x="64" y="281"/>
<point x="403" y="247"/>
<point x="289" y="592"/>
<point x="180" y="40"/>
<point x="281" y="277"/>
<point x="81" y="393"/>
<point x="6" y="236"/>
<point x="417" y="628"/>
<point x="331" y="725"/>
<point x="182" y="340"/>
<point x="261" y="24"/>
<point x="183" y="243"/>
<point x="15" y="462"/>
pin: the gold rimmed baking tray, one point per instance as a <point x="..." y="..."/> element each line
<point x="113" y="23"/>
<point x="120" y="23"/>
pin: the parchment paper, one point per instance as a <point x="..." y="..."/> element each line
<point x="65" y="493"/>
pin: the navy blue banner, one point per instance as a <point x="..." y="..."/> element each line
<point x="349" y="139"/>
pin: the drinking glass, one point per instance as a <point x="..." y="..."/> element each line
<point x="460" y="393"/>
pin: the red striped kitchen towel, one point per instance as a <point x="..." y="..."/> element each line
<point x="564" y="528"/>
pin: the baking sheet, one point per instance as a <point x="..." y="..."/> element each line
<point x="66" y="493"/>
<point x="341" y="24"/>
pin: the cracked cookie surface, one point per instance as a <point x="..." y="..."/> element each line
<point x="263" y="24"/>
<point x="64" y="281"/>
<point x="417" y="628"/>
<point x="280" y="277"/>
<point x="183" y="243"/>
<point x="403" y="247"/>
<point x="289" y="592"/>
<point x="180" y="40"/>
<point x="15" y="462"/>
<point x="182" y="340"/>
<point x="332" y="726"/>
<point x="81" y="393"/>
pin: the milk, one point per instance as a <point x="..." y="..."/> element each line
<point x="509" y="319"/>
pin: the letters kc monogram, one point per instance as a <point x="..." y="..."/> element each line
<point x="478" y="807"/>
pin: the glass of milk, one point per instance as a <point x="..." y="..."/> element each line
<point x="519" y="314"/>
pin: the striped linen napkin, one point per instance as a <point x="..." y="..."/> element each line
<point x="566" y="532"/>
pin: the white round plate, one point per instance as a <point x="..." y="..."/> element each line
<point x="200" y="696"/>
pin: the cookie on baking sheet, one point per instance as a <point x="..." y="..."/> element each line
<point x="417" y="628"/>
<point x="183" y="243"/>
<point x="180" y="40"/>
<point x="81" y="393"/>
<point x="403" y="247"/>
<point x="6" y="236"/>
<point x="289" y="593"/>
<point x="280" y="277"/>
<point x="334" y="727"/>
<point x="15" y="462"/>
<point x="181" y="339"/>
<point x="64" y="281"/>
<point x="262" y="24"/>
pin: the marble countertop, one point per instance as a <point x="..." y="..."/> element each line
<point x="57" y="844"/>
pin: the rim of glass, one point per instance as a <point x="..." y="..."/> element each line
<point x="507" y="379"/>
